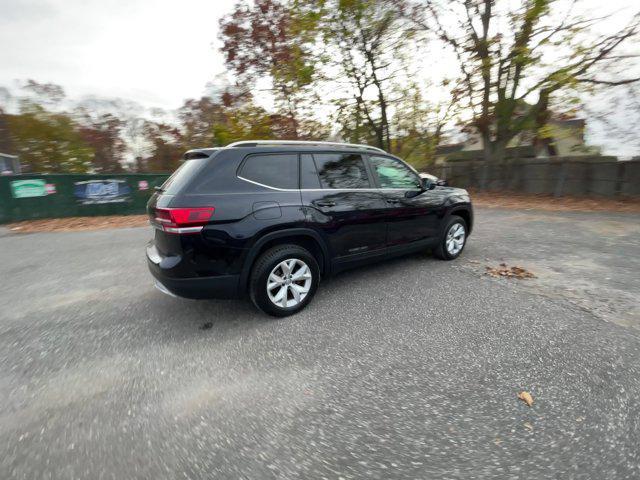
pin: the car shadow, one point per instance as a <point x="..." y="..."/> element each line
<point x="180" y="317"/>
<point x="215" y="316"/>
<point x="389" y="266"/>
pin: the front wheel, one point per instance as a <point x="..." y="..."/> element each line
<point x="284" y="280"/>
<point x="452" y="239"/>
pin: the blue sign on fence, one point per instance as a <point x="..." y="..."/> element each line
<point x="91" y="192"/>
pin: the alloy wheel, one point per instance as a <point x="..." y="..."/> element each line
<point x="289" y="283"/>
<point x="455" y="239"/>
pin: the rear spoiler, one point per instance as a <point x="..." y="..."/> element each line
<point x="199" y="153"/>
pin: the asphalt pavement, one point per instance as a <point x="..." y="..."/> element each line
<point x="406" y="369"/>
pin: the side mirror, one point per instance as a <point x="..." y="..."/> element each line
<point x="428" y="184"/>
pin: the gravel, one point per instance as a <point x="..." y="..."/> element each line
<point x="405" y="369"/>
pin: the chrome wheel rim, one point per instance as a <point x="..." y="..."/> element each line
<point x="289" y="283"/>
<point x="455" y="239"/>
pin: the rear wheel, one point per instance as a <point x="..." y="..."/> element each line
<point x="284" y="280"/>
<point x="452" y="239"/>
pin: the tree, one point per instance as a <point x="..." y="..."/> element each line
<point x="104" y="135"/>
<point x="507" y="58"/>
<point x="46" y="94"/>
<point x="197" y="120"/>
<point x="365" y="43"/>
<point x="6" y="143"/>
<point x="241" y="119"/>
<point x="419" y="124"/>
<point x="48" y="142"/>
<point x="166" y="146"/>
<point x="617" y="118"/>
<point x="264" y="40"/>
<point x="46" y="138"/>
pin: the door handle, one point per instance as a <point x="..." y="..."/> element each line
<point x="322" y="203"/>
<point x="393" y="200"/>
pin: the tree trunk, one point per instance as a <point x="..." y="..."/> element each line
<point x="540" y="142"/>
<point x="487" y="152"/>
<point x="493" y="154"/>
<point x="499" y="149"/>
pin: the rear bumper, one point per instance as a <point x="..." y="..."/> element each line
<point x="221" y="286"/>
<point x="225" y="286"/>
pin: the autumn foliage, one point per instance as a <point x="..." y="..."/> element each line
<point x="350" y="70"/>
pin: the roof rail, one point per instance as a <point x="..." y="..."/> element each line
<point x="254" y="143"/>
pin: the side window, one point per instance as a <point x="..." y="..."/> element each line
<point x="308" y="173"/>
<point x="277" y="170"/>
<point x="393" y="174"/>
<point x="341" y="170"/>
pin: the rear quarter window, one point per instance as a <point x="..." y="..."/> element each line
<point x="273" y="170"/>
<point x="182" y="175"/>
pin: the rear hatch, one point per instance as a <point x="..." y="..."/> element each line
<point x="169" y="223"/>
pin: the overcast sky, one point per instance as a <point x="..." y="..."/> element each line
<point x="155" y="52"/>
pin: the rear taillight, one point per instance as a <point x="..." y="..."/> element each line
<point x="183" y="220"/>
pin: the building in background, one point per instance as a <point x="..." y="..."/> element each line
<point x="9" y="164"/>
<point x="563" y="137"/>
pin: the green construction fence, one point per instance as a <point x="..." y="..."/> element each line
<point x="28" y="197"/>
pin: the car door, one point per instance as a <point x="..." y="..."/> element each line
<point x="411" y="213"/>
<point x="341" y="200"/>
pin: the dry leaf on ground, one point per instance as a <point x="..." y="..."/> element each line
<point x="510" y="272"/>
<point x="526" y="398"/>
<point x="515" y="200"/>
<point x="72" y="224"/>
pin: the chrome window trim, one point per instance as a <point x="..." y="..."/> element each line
<point x="244" y="161"/>
<point x="268" y="186"/>
<point x="327" y="189"/>
<point x="366" y="161"/>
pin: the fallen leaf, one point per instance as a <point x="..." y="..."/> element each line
<point x="526" y="398"/>
<point x="528" y="426"/>
<point x="510" y="272"/>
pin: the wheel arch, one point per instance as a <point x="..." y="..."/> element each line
<point x="304" y="237"/>
<point x="465" y="212"/>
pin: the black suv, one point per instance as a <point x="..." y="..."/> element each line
<point x="271" y="218"/>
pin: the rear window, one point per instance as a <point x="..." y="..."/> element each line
<point x="182" y="175"/>
<point x="276" y="170"/>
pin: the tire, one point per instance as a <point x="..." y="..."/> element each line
<point x="442" y="251"/>
<point x="277" y="261"/>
